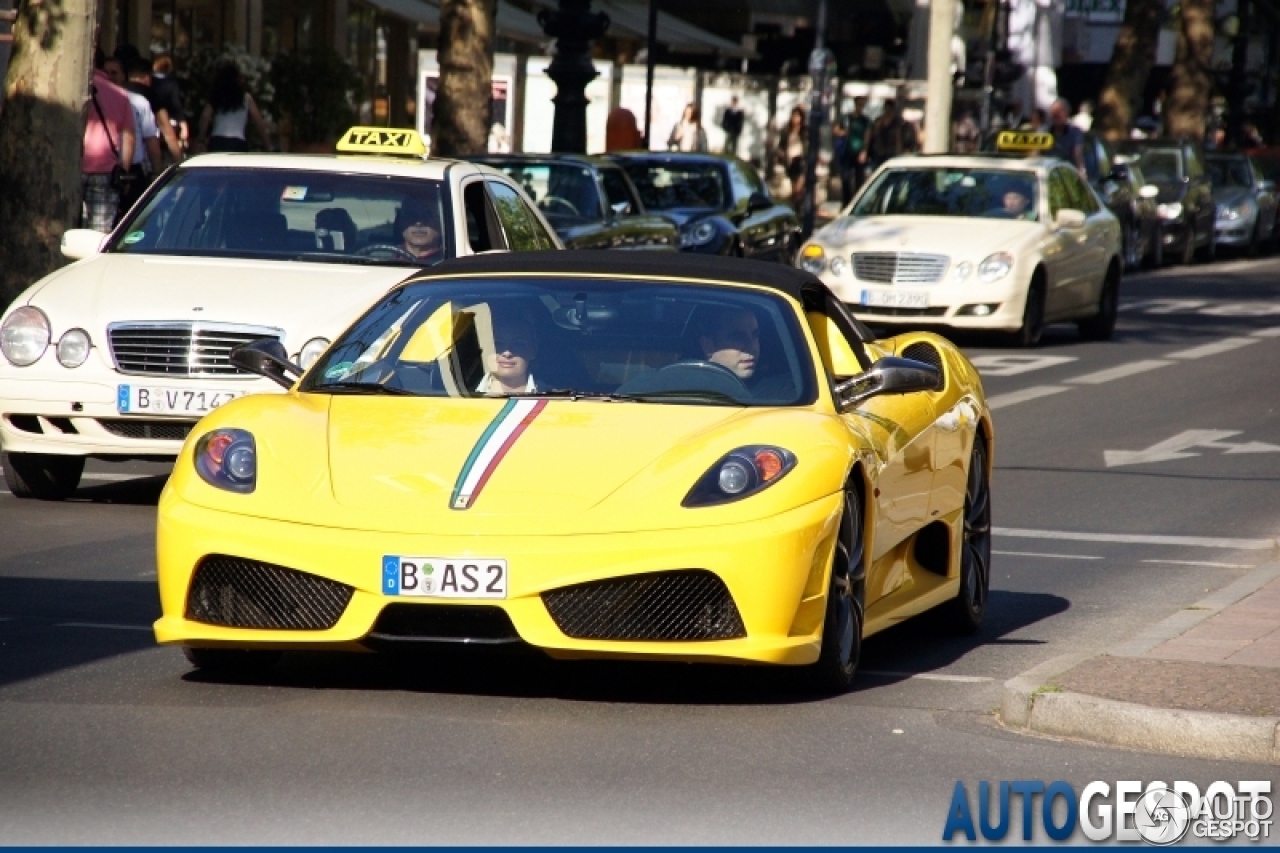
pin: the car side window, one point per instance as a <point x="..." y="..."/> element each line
<point x="483" y="232"/>
<point x="1195" y="168"/>
<point x="521" y="228"/>
<point x="617" y="190"/>
<point x="744" y="181"/>
<point x="1080" y="194"/>
<point x="543" y="238"/>
<point x="1059" y="198"/>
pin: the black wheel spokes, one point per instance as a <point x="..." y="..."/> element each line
<point x="977" y="531"/>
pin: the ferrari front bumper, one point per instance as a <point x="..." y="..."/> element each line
<point x="776" y="570"/>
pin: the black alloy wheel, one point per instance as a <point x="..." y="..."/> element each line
<point x="969" y="607"/>
<point x="1032" y="314"/>
<point x="1101" y="326"/>
<point x="232" y="662"/>
<point x="42" y="476"/>
<point x="842" y="628"/>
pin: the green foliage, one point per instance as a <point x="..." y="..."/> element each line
<point x="317" y="90"/>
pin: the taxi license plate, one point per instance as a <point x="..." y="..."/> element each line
<point x="896" y="298"/>
<point x="444" y="577"/>
<point x="139" y="399"/>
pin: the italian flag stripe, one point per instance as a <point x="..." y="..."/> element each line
<point x="498" y="438"/>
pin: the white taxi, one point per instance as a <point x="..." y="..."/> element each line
<point x="993" y="242"/>
<point x="119" y="354"/>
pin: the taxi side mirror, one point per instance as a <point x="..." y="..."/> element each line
<point x="889" y="375"/>
<point x="1069" y="218"/>
<point x="620" y="208"/>
<point x="266" y="357"/>
<point x="80" y="243"/>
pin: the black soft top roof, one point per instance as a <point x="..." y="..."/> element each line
<point x="604" y="264"/>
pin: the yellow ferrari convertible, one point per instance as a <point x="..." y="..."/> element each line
<point x="596" y="455"/>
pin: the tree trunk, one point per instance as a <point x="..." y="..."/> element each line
<point x="1189" y="79"/>
<point x="40" y="137"/>
<point x="1131" y="63"/>
<point x="460" y="115"/>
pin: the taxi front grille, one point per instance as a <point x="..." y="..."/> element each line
<point x="899" y="267"/>
<point x="239" y="593"/>
<point x="181" y="349"/>
<point x="690" y="604"/>
<point x="163" y="430"/>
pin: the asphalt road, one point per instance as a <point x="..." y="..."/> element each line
<point x="1133" y="477"/>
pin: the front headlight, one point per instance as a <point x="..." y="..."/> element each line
<point x="739" y="474"/>
<point x="73" y="348"/>
<point x="699" y="235"/>
<point x="24" y="336"/>
<point x="311" y="351"/>
<point x="995" y="267"/>
<point x="813" y="259"/>
<point x="1172" y="210"/>
<point x="228" y="459"/>
<point x="1242" y="211"/>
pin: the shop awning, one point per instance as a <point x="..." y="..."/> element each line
<point x="511" y="22"/>
<point x="631" y="19"/>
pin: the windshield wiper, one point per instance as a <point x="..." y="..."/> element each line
<point x="573" y="394"/>
<point x="362" y="388"/>
<point x="693" y="396"/>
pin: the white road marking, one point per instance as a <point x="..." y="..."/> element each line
<point x="1012" y="365"/>
<point x="1119" y="372"/>
<point x="1035" y="392"/>
<point x="1054" y="556"/>
<point x="1224" y="345"/>
<point x="1273" y="332"/>
<point x="1141" y="539"/>
<point x="1200" y="563"/>
<point x="104" y="626"/>
<point x="1179" y="446"/>
<point x="928" y="676"/>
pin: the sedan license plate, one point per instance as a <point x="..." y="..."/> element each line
<point x="138" y="399"/>
<point x="896" y="298"/>
<point x="444" y="577"/>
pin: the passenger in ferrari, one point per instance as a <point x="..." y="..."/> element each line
<point x="731" y="338"/>
<point x="419" y="228"/>
<point x="507" y="368"/>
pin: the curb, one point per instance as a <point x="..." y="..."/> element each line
<point x="1025" y="704"/>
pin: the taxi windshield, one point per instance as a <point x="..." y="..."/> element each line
<point x="277" y="214"/>
<point x="988" y="193"/>
<point x="664" y="186"/>
<point x="624" y="341"/>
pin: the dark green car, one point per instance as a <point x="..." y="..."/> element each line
<point x="589" y="201"/>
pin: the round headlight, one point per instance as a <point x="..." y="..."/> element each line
<point x="703" y="233"/>
<point x="995" y="267"/>
<point x="242" y="462"/>
<point x="311" y="351"/>
<point x="73" y="348"/>
<point x="838" y="266"/>
<point x="813" y="259"/>
<point x="24" y="336"/>
<point x="734" y="477"/>
<point x="1172" y="210"/>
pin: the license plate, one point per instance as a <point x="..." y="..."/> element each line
<point x="137" y="399"/>
<point x="444" y="577"/>
<point x="896" y="298"/>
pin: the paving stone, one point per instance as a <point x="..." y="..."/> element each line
<point x="1179" y="684"/>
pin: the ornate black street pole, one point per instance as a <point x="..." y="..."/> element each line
<point x="573" y="26"/>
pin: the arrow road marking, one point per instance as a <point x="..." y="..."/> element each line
<point x="1180" y="445"/>
<point x="1012" y="365"/>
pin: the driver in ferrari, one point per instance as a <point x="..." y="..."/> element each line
<point x="731" y="338"/>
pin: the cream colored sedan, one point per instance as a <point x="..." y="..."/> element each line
<point x="975" y="242"/>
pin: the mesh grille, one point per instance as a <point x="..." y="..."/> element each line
<point x="241" y="593"/>
<point x="899" y="267"/>
<point x="447" y="622"/>
<point x="927" y="353"/>
<point x="181" y="349"/>
<point x="166" y="430"/>
<point x="680" y="605"/>
<point x="900" y="312"/>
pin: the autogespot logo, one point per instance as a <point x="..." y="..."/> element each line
<point x="1158" y="813"/>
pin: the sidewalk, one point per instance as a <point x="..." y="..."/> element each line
<point x="1204" y="683"/>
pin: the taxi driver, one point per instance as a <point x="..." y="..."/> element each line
<point x="507" y="368"/>
<point x="731" y="339"/>
<point x="419" y="229"/>
<point x="1015" y="204"/>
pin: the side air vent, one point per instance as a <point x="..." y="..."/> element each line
<point x="927" y="353"/>
<point x="691" y="604"/>
<point x="242" y="593"/>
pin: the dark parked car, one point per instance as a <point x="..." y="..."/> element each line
<point x="589" y="201"/>
<point x="1185" y="202"/>
<point x="1122" y="188"/>
<point x="719" y="203"/>
<point x="1246" y="202"/>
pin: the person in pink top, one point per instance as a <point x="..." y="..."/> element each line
<point x="109" y="139"/>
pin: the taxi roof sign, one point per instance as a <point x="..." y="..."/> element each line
<point x="382" y="140"/>
<point x="1017" y="140"/>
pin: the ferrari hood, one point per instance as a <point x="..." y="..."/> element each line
<point x="304" y="299"/>
<point x="960" y="237"/>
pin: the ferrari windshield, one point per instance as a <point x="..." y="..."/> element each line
<point x="664" y="186"/>
<point x="575" y="338"/>
<point x="993" y="193"/>
<point x="278" y="214"/>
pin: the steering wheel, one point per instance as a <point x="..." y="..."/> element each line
<point x="370" y="251"/>
<point x="555" y="199"/>
<point x="714" y="371"/>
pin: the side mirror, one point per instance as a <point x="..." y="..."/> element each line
<point x="1069" y="218"/>
<point x="758" y="201"/>
<point x="1149" y="191"/>
<point x="80" y="243"/>
<point x="620" y="208"/>
<point x="266" y="357"/>
<point x="1266" y="186"/>
<point x="889" y="375"/>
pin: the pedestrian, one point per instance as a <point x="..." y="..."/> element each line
<point x="139" y="83"/>
<point x="1013" y="117"/>
<point x="1068" y="140"/>
<point x="731" y="123"/>
<point x="147" y="159"/>
<point x="1252" y="137"/>
<point x="886" y="137"/>
<point x="168" y="94"/>
<point x="966" y="134"/>
<point x="791" y="154"/>
<point x="225" y="120"/>
<point x="688" y="135"/>
<point x="1083" y="118"/>
<point x="1038" y="123"/>
<point x="108" y="145"/>
<point x="621" y="131"/>
<point x="851" y="134"/>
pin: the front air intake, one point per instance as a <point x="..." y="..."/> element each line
<point x="444" y="623"/>
<point x="239" y="593"/>
<point x="690" y="604"/>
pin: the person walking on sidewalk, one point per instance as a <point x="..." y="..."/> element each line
<point x="225" y="120"/>
<point x="148" y="160"/>
<point x="791" y="154"/>
<point x="852" y="132"/>
<point x="731" y="123"/>
<point x="107" y="150"/>
<point x="688" y="135"/>
<point x="887" y="137"/>
<point x="1068" y="140"/>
